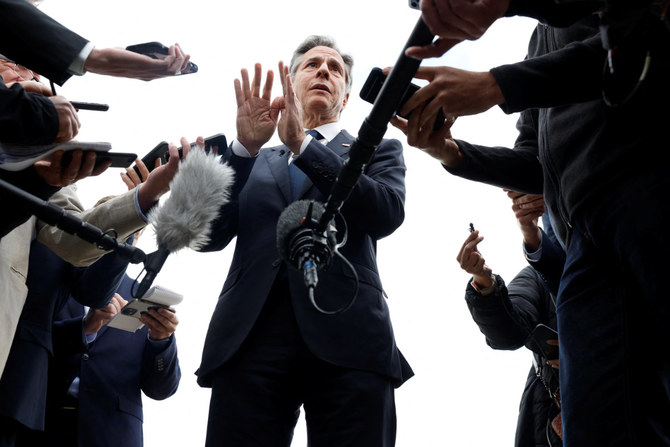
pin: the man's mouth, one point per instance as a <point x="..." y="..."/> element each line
<point x="322" y="87"/>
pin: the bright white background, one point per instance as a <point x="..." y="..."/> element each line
<point x="463" y="393"/>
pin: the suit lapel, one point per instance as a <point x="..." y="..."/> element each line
<point x="277" y="160"/>
<point x="340" y="145"/>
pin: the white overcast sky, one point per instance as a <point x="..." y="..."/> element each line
<point x="463" y="393"/>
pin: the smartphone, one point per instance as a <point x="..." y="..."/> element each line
<point x="161" y="151"/>
<point x="89" y="106"/>
<point x="373" y="85"/>
<point x="118" y="159"/>
<point x="537" y="342"/>
<point x="157" y="50"/>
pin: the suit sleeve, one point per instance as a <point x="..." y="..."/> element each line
<point x="26" y="118"/>
<point x="376" y="203"/>
<point x="160" y="369"/>
<point x="508" y="316"/>
<point x="224" y="227"/>
<point x="29" y="181"/>
<point x="550" y="263"/>
<point x="94" y="286"/>
<point x="35" y="40"/>
<point x="119" y="213"/>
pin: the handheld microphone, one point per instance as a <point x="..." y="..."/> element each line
<point x="198" y="190"/>
<point x="303" y="246"/>
<point x="300" y="244"/>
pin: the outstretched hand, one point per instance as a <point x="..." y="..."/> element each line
<point x="290" y="127"/>
<point x="256" y="118"/>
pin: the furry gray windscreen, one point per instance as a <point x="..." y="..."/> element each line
<point x="199" y="189"/>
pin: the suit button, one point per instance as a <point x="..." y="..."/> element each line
<point x="84" y="356"/>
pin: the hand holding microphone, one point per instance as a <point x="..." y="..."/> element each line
<point x="200" y="187"/>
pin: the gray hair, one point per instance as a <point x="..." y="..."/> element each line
<point x="322" y="41"/>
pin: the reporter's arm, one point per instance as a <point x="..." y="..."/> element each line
<point x="123" y="63"/>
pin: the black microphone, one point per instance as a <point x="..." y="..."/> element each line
<point x="304" y="247"/>
<point x="374" y="126"/>
<point x="300" y="244"/>
<point x="71" y="224"/>
<point x="198" y="190"/>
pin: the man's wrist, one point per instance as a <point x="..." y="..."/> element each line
<point x="484" y="289"/>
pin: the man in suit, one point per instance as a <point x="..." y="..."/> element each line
<point x="268" y="350"/>
<point x="112" y="367"/>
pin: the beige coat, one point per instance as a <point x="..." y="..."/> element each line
<point x="119" y="213"/>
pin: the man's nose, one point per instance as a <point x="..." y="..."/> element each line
<point x="323" y="70"/>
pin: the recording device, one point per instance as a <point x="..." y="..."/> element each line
<point x="118" y="159"/>
<point x="89" y="106"/>
<point x="537" y="342"/>
<point x="415" y="4"/>
<point x="472" y="227"/>
<point x="162" y="151"/>
<point x="373" y="85"/>
<point x="198" y="190"/>
<point x="128" y="318"/>
<point x="304" y="248"/>
<point x="157" y="50"/>
<point x="299" y="244"/>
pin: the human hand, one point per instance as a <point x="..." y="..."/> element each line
<point x="528" y="208"/>
<point x="54" y="173"/>
<point x="290" y="127"/>
<point x="123" y="63"/>
<point x="158" y="180"/>
<point x="456" y="20"/>
<point x="437" y="143"/>
<point x="256" y="120"/>
<point x="96" y="318"/>
<point x="554" y="362"/>
<point x="34" y="87"/>
<point x="472" y="261"/>
<point x="130" y="177"/>
<point x="161" y="322"/>
<point x="457" y="92"/>
<point x="68" y="120"/>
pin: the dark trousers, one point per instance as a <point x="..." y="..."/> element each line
<point x="613" y="314"/>
<point x="256" y="396"/>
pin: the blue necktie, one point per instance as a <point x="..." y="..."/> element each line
<point x="295" y="173"/>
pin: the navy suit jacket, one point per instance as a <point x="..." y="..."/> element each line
<point x="361" y="337"/>
<point x="51" y="281"/>
<point x="35" y="40"/>
<point x="114" y="370"/>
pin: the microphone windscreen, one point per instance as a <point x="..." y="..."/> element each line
<point x="198" y="190"/>
<point x="291" y="220"/>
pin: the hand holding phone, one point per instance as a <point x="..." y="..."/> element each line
<point x="373" y="85"/>
<point x="157" y="50"/>
<point x="162" y="151"/>
<point x="537" y="342"/>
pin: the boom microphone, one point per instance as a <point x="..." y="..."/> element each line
<point x="198" y="190"/>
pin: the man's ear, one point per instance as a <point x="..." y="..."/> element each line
<point x="344" y="102"/>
